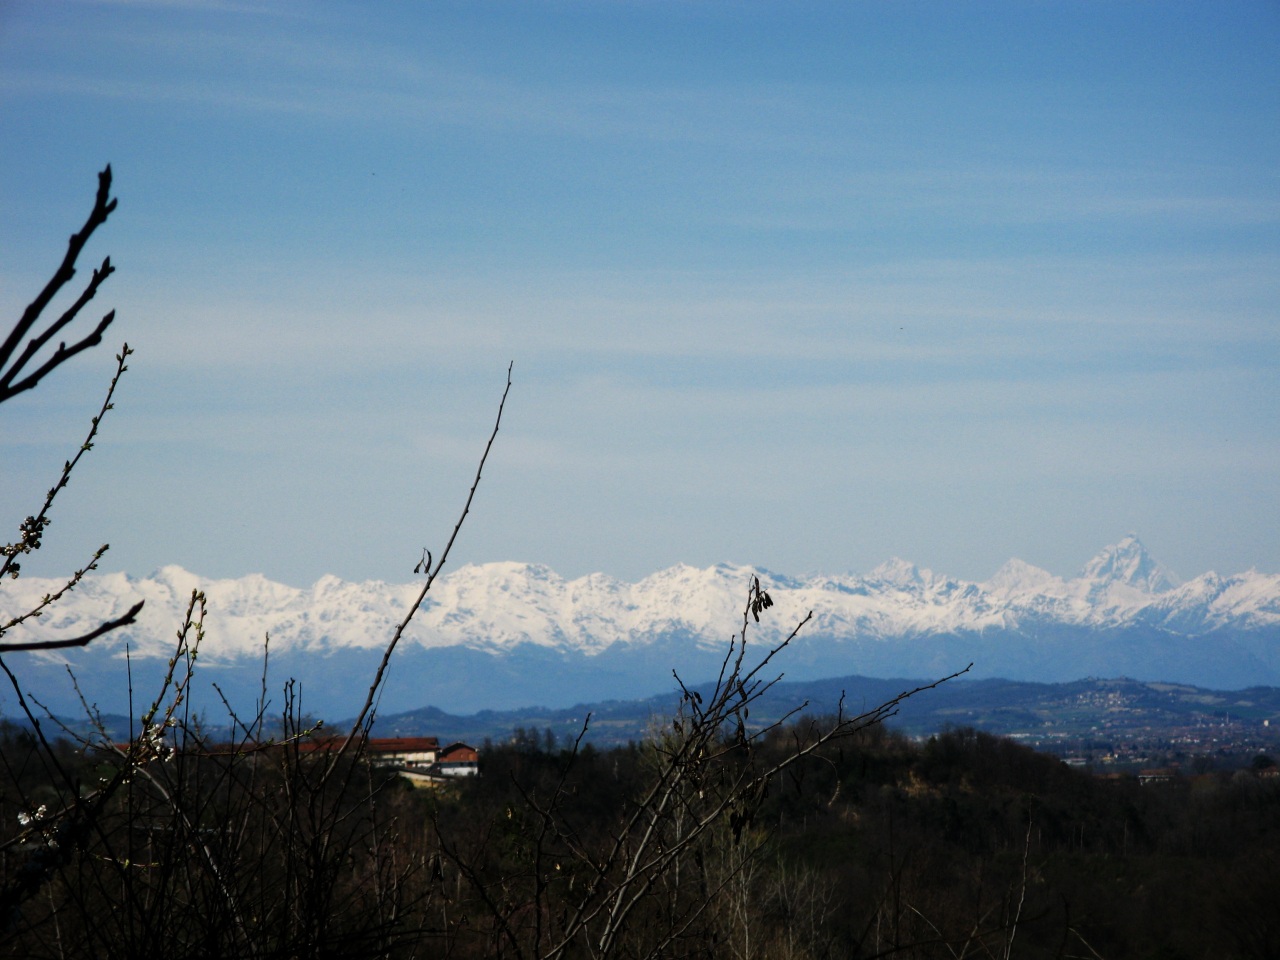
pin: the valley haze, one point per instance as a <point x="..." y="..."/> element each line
<point x="505" y="635"/>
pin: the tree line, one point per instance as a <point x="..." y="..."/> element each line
<point x="873" y="845"/>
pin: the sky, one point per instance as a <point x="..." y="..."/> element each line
<point x="805" y="285"/>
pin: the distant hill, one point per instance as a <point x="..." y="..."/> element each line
<point x="1121" y="709"/>
<point x="505" y="635"/>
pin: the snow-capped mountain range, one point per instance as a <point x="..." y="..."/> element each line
<point x="511" y="634"/>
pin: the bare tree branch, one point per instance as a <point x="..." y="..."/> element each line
<point x="106" y="626"/>
<point x="103" y="206"/>
<point x="32" y="529"/>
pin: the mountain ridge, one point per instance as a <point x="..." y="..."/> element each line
<point x="1123" y="614"/>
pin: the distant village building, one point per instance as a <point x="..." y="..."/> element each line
<point x="421" y="761"/>
<point x="409" y="752"/>
<point x="383" y="751"/>
<point x="458" y="760"/>
<point x="417" y="759"/>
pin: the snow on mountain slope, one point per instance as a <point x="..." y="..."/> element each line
<point x="497" y="606"/>
<point x="1128" y="563"/>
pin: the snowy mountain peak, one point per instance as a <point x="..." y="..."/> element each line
<point x="497" y="633"/>
<point x="900" y="573"/>
<point x="1018" y="578"/>
<point x="1128" y="562"/>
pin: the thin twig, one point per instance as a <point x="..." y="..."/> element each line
<point x="375" y="687"/>
<point x="33" y="527"/>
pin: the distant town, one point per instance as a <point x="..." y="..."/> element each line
<point x="1114" y="730"/>
<point x="1106" y="724"/>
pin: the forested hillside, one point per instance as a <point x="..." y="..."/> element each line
<point x="964" y="845"/>
<point x="960" y="846"/>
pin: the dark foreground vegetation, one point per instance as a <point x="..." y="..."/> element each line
<point x="963" y="845"/>
<point x="873" y="845"/>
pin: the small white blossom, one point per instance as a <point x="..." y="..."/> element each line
<point x="26" y="819"/>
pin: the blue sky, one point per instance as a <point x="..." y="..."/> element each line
<point x="805" y="285"/>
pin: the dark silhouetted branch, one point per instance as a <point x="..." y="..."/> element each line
<point x="10" y="385"/>
<point x="106" y="626"/>
<point x="33" y="527"/>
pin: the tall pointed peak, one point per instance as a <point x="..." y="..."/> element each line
<point x="1129" y="563"/>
